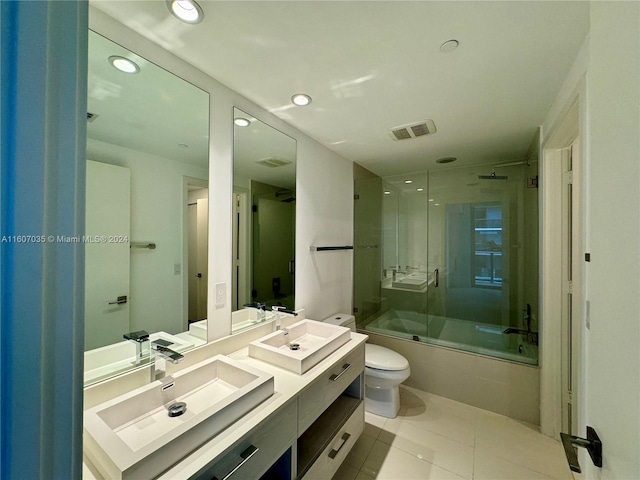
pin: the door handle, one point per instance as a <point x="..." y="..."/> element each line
<point x="437" y="274"/>
<point x="122" y="299"/>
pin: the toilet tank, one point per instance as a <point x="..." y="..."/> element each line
<point x="343" y="320"/>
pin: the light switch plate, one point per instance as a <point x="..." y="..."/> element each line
<point x="221" y="294"/>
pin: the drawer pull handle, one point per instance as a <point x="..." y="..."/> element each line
<point x="245" y="456"/>
<point x="336" y="376"/>
<point x="333" y="453"/>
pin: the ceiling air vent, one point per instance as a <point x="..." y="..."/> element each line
<point x="273" y="162"/>
<point x="413" y="131"/>
<point x="91" y="117"/>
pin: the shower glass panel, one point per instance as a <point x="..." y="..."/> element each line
<point x="458" y="259"/>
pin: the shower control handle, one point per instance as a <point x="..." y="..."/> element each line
<point x="436" y="273"/>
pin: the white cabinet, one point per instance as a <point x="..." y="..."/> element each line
<point x="330" y="385"/>
<point x="303" y="432"/>
<point x="330" y="417"/>
<point x="330" y="459"/>
<point x="255" y="453"/>
<point x="310" y="437"/>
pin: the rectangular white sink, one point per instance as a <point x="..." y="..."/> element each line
<point x="120" y="357"/>
<point x="199" y="329"/>
<point x="410" y="283"/>
<point x="315" y="340"/>
<point x="247" y="317"/>
<point x="413" y="281"/>
<point x="133" y="436"/>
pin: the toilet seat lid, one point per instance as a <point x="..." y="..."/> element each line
<point x="383" y="359"/>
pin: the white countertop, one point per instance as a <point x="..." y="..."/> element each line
<point x="287" y="386"/>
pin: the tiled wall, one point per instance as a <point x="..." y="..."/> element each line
<point x="499" y="386"/>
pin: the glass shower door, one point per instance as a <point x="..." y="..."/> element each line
<point x="405" y="270"/>
<point x="367" y="247"/>
<point x="450" y="258"/>
<point x="470" y="226"/>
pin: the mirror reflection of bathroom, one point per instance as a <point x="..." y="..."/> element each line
<point x="264" y="211"/>
<point x="197" y="247"/>
<point x="147" y="160"/>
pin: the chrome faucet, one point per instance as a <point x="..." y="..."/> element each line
<point x="278" y="309"/>
<point x="532" y="337"/>
<point x="141" y="339"/>
<point x="161" y="355"/>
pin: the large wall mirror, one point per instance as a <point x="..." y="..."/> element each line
<point x="264" y="210"/>
<point x="146" y="209"/>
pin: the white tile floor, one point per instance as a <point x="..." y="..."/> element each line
<point x="436" y="438"/>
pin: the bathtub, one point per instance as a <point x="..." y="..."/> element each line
<point x="469" y="336"/>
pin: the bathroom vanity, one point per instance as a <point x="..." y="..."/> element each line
<point x="303" y="430"/>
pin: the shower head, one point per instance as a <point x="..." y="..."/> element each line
<point x="493" y="176"/>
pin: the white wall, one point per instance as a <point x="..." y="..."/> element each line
<point x="610" y="363"/>
<point x="324" y="192"/>
<point x="324" y="217"/>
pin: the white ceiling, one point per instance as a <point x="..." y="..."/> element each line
<point x="371" y="66"/>
<point x="258" y="142"/>
<point x="151" y="111"/>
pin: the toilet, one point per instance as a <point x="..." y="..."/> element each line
<point x="384" y="371"/>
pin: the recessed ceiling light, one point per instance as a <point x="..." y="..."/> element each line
<point x="449" y="46"/>
<point x="124" y="64"/>
<point x="420" y="189"/>
<point x="301" y="99"/>
<point x="186" y="10"/>
<point x="437" y="204"/>
<point x="446" y="160"/>
<point x="408" y="181"/>
<point x="387" y="192"/>
<point x="431" y="199"/>
<point x="242" y="122"/>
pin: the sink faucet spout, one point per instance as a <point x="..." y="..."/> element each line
<point x="141" y="339"/>
<point x="161" y="355"/>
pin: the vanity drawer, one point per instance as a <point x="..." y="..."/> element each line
<point x="323" y="391"/>
<point x="334" y="454"/>
<point x="254" y="454"/>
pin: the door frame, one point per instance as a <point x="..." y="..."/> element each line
<point x="186" y="183"/>
<point x="569" y="126"/>
<point x="242" y="252"/>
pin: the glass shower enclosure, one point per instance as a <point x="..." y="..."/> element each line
<point x="450" y="257"/>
